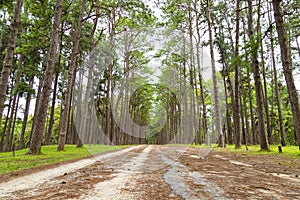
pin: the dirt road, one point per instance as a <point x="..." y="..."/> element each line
<point x="161" y="172"/>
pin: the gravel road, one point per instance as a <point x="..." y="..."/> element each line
<point x="161" y="172"/>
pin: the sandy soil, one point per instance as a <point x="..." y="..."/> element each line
<point x="160" y="172"/>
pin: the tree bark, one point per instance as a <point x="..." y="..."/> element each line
<point x="191" y="76"/>
<point x="7" y="144"/>
<point x="51" y="120"/>
<point x="80" y="136"/>
<point x="202" y="95"/>
<point x="281" y="125"/>
<point x="265" y="97"/>
<point x="257" y="80"/>
<point x="12" y="138"/>
<point x="37" y="104"/>
<point x="254" y="138"/>
<point x="8" y="60"/>
<point x="221" y="141"/>
<point x="287" y="67"/>
<point x="227" y="84"/>
<point x="108" y="100"/>
<point x="26" y="113"/>
<point x="2" y="145"/>
<point x="54" y="94"/>
<point x="14" y="105"/>
<point x="236" y="108"/>
<point x="247" y="135"/>
<point x="67" y="102"/>
<point x="37" y="136"/>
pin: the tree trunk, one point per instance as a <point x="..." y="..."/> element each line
<point x="265" y="98"/>
<point x="247" y="135"/>
<point x="2" y="145"/>
<point x="37" y="104"/>
<point x="12" y="139"/>
<point x="80" y="136"/>
<point x="8" y="60"/>
<point x="287" y="67"/>
<point x="26" y="113"/>
<point x="2" y="27"/>
<point x="236" y="108"/>
<point x="67" y="102"/>
<point x="257" y="81"/>
<point x="7" y="144"/>
<point x="228" y="116"/>
<point x="108" y="99"/>
<point x="37" y="136"/>
<point x="191" y="77"/>
<point x="185" y="124"/>
<point x="254" y="140"/>
<point x="226" y="79"/>
<point x="204" y="119"/>
<point x="221" y="141"/>
<point x="281" y="125"/>
<point x="51" y="120"/>
<point x="15" y="103"/>
<point x="198" y="139"/>
<point x="125" y="106"/>
<point x="54" y="94"/>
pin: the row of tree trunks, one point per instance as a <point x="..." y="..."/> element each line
<point x="221" y="140"/>
<point x="236" y="101"/>
<point x="25" y="118"/>
<point x="238" y="94"/>
<point x="36" y="139"/>
<point x="278" y="100"/>
<point x="255" y="43"/>
<point x="8" y="60"/>
<point x="54" y="94"/>
<point x="71" y="75"/>
<point x="203" y="128"/>
<point x="287" y="67"/>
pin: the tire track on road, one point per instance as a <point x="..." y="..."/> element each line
<point x="177" y="177"/>
<point x="30" y="182"/>
<point x="112" y="189"/>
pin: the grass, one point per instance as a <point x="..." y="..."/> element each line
<point x="290" y="151"/>
<point x="49" y="155"/>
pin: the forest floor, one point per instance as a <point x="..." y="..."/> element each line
<point x="159" y="172"/>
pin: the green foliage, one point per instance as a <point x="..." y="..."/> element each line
<point x="17" y="130"/>
<point x="23" y="87"/>
<point x="116" y="18"/>
<point x="141" y="104"/>
<point x="136" y="15"/>
<point x="175" y="13"/>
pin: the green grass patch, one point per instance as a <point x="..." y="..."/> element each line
<point x="49" y="155"/>
<point x="290" y="151"/>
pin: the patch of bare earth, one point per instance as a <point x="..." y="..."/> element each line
<point x="12" y="175"/>
<point x="68" y="186"/>
<point x="70" y="180"/>
<point x="243" y="176"/>
<point x="148" y="183"/>
<point x="163" y="172"/>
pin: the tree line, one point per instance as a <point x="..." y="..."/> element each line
<point x="86" y="65"/>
